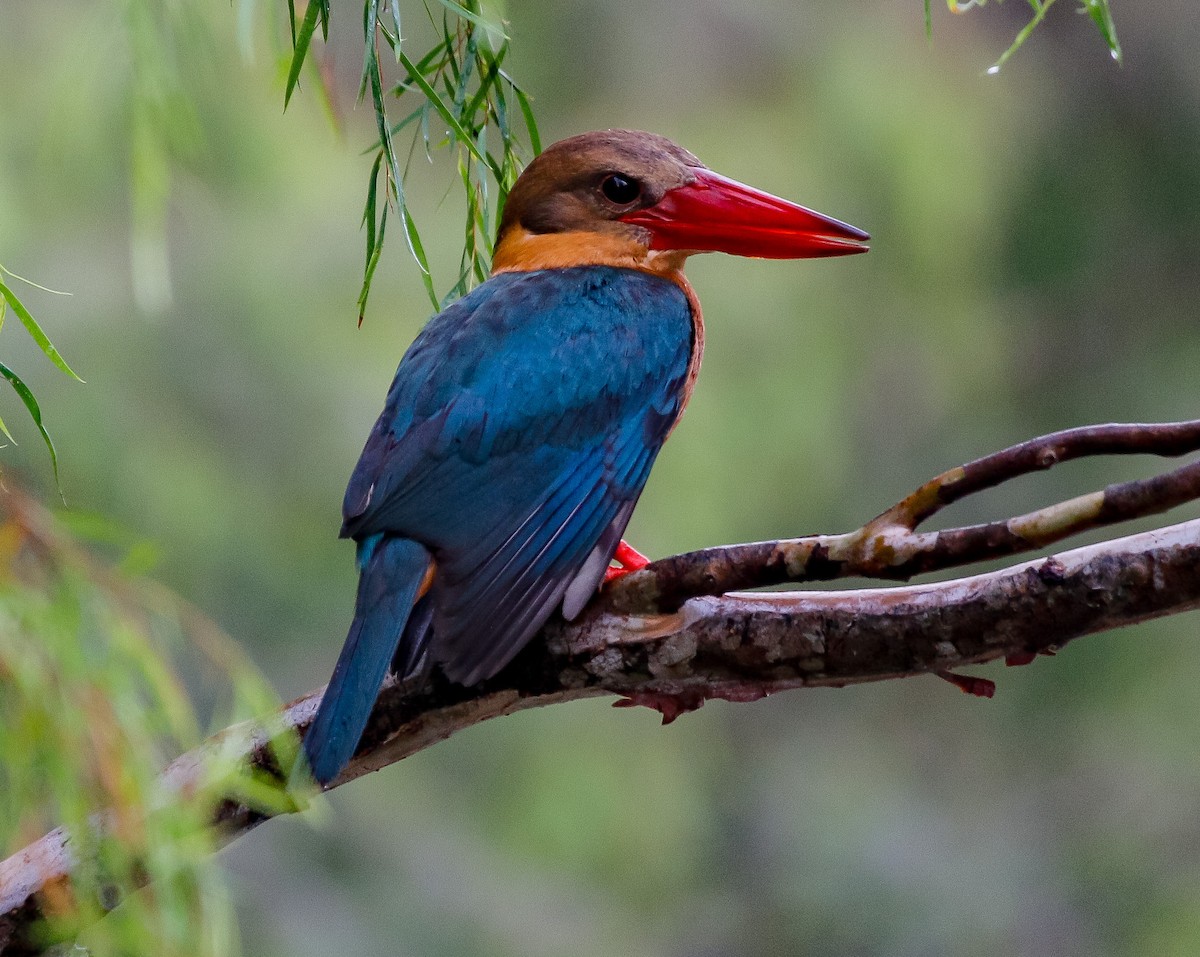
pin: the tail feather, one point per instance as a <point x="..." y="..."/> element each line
<point x="390" y="584"/>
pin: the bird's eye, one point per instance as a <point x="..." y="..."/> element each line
<point x="620" y="189"/>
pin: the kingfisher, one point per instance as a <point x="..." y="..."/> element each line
<point x="496" y="485"/>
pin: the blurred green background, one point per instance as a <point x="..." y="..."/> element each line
<point x="1033" y="268"/>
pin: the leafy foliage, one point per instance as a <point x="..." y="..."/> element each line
<point x="92" y="709"/>
<point x="1098" y="10"/>
<point x="466" y="105"/>
<point x="9" y="299"/>
<point x="163" y="127"/>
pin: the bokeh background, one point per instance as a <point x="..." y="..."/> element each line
<point x="1033" y="268"/>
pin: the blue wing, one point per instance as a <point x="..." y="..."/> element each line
<point x="516" y="438"/>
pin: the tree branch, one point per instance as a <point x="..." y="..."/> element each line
<point x="665" y="637"/>
<point x="889" y="546"/>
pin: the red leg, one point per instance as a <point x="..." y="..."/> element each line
<point x="630" y="560"/>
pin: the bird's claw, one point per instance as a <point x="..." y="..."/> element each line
<point x="1018" y="658"/>
<point x="670" y="706"/>
<point x="628" y="558"/>
<point x="982" y="687"/>
<point x="979" y="687"/>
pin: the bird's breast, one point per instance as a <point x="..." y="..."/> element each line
<point x="520" y="250"/>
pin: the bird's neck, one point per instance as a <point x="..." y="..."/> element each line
<point x="519" y="250"/>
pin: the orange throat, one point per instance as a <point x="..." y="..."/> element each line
<point x="522" y="251"/>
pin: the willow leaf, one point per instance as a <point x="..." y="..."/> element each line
<point x="1101" y="15"/>
<point x="303" y="40"/>
<point x="443" y="110"/>
<point x="35" y="331"/>
<point x="470" y="16"/>
<point x="7" y="434"/>
<point x="535" y="140"/>
<point x="35" y="413"/>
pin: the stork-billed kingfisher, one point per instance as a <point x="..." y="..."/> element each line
<point x="521" y="426"/>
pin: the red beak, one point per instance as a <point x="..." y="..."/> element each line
<point x="715" y="214"/>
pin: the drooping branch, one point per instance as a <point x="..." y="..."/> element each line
<point x="645" y="641"/>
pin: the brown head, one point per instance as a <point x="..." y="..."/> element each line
<point x="624" y="197"/>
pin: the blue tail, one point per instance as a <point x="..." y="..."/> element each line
<point x="392" y="570"/>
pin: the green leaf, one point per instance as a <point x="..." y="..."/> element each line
<point x="501" y="110"/>
<point x="374" y="238"/>
<point x="300" y="47"/>
<point x="464" y="77"/>
<point x="7" y="434"/>
<point x="395" y="7"/>
<point x="369" y="271"/>
<point x="450" y="45"/>
<point x="370" y="71"/>
<point x="535" y="141"/>
<point x="1101" y="15"/>
<point x="471" y="16"/>
<point x="35" y="413"/>
<point x="414" y="239"/>
<point x="488" y="81"/>
<point x="443" y="110"/>
<point x="425" y="129"/>
<point x="369" y="216"/>
<point x="35" y="331"/>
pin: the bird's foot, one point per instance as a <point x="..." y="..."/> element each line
<point x="629" y="559"/>
<point x="671" y="704"/>
<point x="980" y="687"/>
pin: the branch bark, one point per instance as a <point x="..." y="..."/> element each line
<point x="665" y="637"/>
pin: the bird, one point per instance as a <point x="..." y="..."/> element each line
<point x="495" y="487"/>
